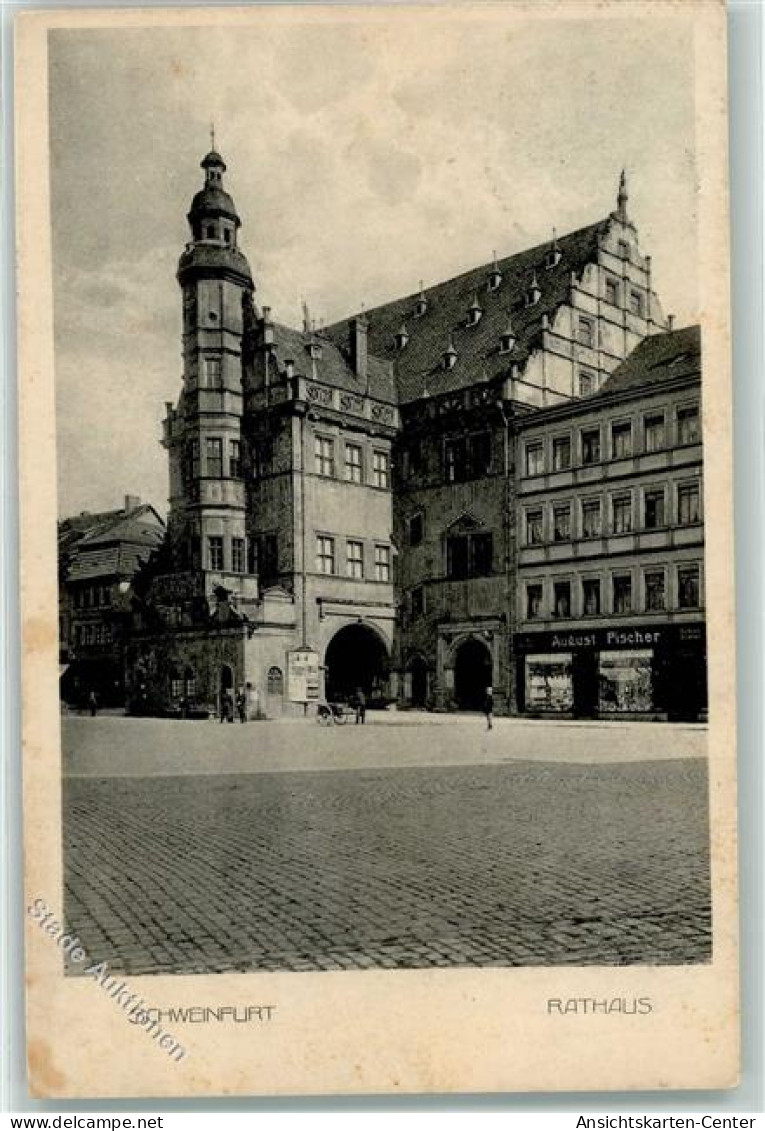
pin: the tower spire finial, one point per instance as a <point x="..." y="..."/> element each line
<point x="212" y="135"/>
<point x="622" y="197"/>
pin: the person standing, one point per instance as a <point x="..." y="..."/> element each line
<point x="241" y="705"/>
<point x="488" y="707"/>
<point x="361" y="707"/>
<point x="93" y="704"/>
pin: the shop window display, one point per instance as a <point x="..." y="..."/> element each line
<point x="549" y="683"/>
<point x="625" y="682"/>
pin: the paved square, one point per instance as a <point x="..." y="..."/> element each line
<point x="511" y="864"/>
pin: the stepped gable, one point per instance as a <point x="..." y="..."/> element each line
<point x="419" y="365"/>
<point x="674" y="353"/>
<point x="333" y="367"/>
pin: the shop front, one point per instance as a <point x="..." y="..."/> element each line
<point x="630" y="672"/>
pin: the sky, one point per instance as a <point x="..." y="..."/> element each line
<point x="361" y="157"/>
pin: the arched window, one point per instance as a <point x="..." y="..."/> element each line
<point x="275" y="681"/>
<point x="190" y="682"/>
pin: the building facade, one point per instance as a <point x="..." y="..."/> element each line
<point x="347" y="509"/>
<point x="98" y="557"/>
<point x="610" y="560"/>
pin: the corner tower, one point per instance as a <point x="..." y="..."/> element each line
<point x="203" y="433"/>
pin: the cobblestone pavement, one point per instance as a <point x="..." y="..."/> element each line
<point x="514" y="864"/>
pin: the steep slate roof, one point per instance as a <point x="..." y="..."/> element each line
<point x="418" y="367"/>
<point x="334" y="366"/>
<point x="674" y="353"/>
<point x="108" y="542"/>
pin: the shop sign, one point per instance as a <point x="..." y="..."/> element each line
<point x="628" y="637"/>
<point x="303" y="675"/>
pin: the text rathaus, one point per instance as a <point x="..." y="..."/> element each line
<point x="495" y="481"/>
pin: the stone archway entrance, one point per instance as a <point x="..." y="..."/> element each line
<point x="356" y="657"/>
<point x="472" y="674"/>
<point x="418" y="670"/>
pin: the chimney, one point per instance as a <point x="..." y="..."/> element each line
<point x="358" y="335"/>
<point x="670" y="322"/>
<point x="131" y="502"/>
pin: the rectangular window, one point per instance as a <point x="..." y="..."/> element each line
<point x="654" y="591"/>
<point x="457" y="556"/>
<point x="535" y="534"/>
<point x="688" y="426"/>
<point x="587" y="383"/>
<point x="612" y="291"/>
<point x="467" y="457"/>
<point x="353" y="463"/>
<point x="418" y="602"/>
<point x="237" y="555"/>
<point x="591" y="518"/>
<point x="653" y="509"/>
<point x="325" y="554"/>
<point x="324" y="456"/>
<point x="688" y="509"/>
<point x="213" y="457"/>
<point x="381" y="470"/>
<point x="535" y="459"/>
<point x="622" y="594"/>
<point x="479" y="454"/>
<point x="561" y="452"/>
<point x="653" y="431"/>
<point x="211" y="373"/>
<point x="688" y="587"/>
<point x="562" y="523"/>
<point x="622" y="514"/>
<point x="235" y="459"/>
<point x="585" y="332"/>
<point x="268" y="558"/>
<point x="591" y="446"/>
<point x="354" y="559"/>
<point x="533" y="602"/>
<point x="416" y="529"/>
<point x="636" y="302"/>
<point x="215" y="552"/>
<point x="382" y="563"/>
<point x="621" y="440"/>
<point x="562" y="599"/>
<point x="591" y="596"/>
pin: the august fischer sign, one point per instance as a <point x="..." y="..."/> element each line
<point x="627" y="637"/>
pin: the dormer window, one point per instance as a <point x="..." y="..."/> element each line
<point x="495" y="275"/>
<point x="402" y="337"/>
<point x="314" y="350"/>
<point x="475" y="312"/>
<point x="450" y="356"/>
<point x="554" y="254"/>
<point x="507" y="338"/>
<point x="421" y="305"/>
<point x="533" y="294"/>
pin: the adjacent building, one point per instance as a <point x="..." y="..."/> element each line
<point x="351" y="508"/>
<point x="610" y="560"/>
<point x="98" y="557"/>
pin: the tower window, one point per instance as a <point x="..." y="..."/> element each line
<point x="235" y="459"/>
<point x="612" y="291"/>
<point x="215" y="552"/>
<point x="237" y="555"/>
<point x="636" y="303"/>
<point x="210" y="232"/>
<point x="585" y="333"/>
<point x="227" y="235"/>
<point x="211" y="372"/>
<point x="214" y="457"/>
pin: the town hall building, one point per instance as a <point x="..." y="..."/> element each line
<point x="346" y="506"/>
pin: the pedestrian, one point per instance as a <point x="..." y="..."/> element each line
<point x="93" y="704"/>
<point x="241" y="705"/>
<point x="488" y="707"/>
<point x="361" y="707"/>
<point x="226" y="708"/>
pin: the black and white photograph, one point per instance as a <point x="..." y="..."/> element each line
<point x="380" y="361"/>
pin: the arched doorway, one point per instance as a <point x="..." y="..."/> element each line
<point x="356" y="657"/>
<point x="472" y="674"/>
<point x="418" y="670"/>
